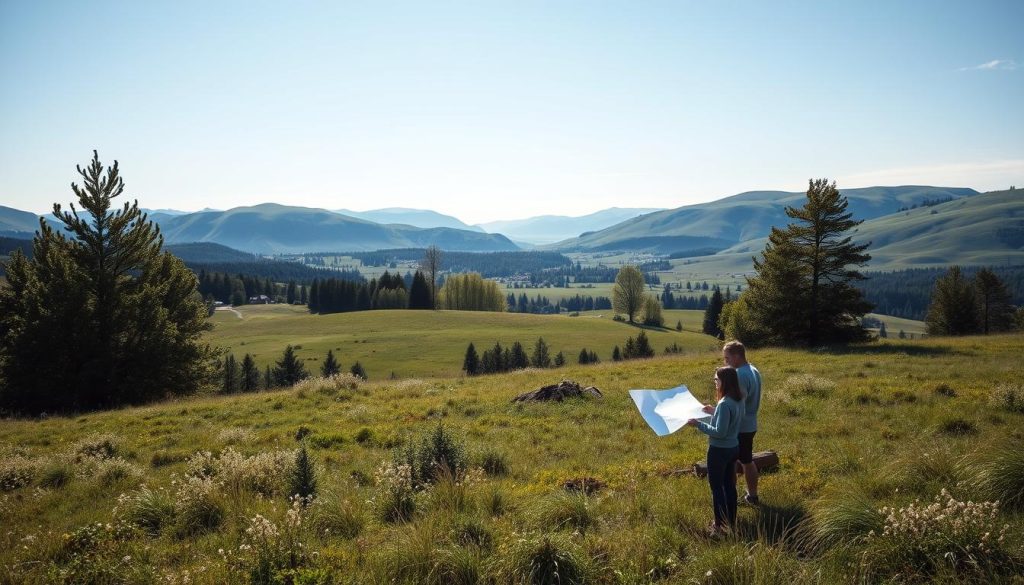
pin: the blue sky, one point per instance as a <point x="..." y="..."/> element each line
<point x="502" y="110"/>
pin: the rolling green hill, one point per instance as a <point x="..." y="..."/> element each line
<point x="393" y="341"/>
<point x="741" y="218"/>
<point x="986" y="229"/>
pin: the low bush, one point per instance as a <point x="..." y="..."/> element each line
<point x="16" y="471"/>
<point x="98" y="446"/>
<point x="1009" y="397"/>
<point x="945" y="536"/>
<point x="264" y="473"/>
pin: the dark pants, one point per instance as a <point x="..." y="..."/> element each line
<point x="722" y="477"/>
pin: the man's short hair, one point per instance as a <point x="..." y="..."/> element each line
<point x="735" y="348"/>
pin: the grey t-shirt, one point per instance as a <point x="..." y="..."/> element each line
<point x="750" y="385"/>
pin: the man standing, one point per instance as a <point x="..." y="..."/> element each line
<point x="735" y="356"/>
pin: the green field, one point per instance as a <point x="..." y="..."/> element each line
<point x="856" y="429"/>
<point x="422" y="343"/>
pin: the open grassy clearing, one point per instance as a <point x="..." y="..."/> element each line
<point x="856" y="429"/>
<point x="420" y="343"/>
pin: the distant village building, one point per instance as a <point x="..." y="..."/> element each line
<point x="260" y="300"/>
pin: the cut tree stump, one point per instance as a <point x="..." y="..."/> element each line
<point x="765" y="461"/>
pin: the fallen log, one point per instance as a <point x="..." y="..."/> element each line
<point x="765" y="461"/>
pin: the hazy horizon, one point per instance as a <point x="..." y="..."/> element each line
<point x="490" y="113"/>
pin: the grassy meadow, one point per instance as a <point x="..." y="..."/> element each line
<point x="193" y="491"/>
<point x="422" y="343"/>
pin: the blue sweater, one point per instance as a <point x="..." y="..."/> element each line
<point x="724" y="428"/>
<point x="750" y="385"/>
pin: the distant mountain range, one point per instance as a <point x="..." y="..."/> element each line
<point x="908" y="226"/>
<point x="421" y="218"/>
<point x="729" y="221"/>
<point x="546" y="229"/>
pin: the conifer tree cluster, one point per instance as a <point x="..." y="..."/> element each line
<point x="635" y="348"/>
<point x="505" y="359"/>
<point x="588" y="357"/>
<point x="101" y="316"/>
<point x="962" y="307"/>
<point x="334" y="295"/>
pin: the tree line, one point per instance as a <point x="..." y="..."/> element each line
<point x="498" y="359"/>
<point x="907" y="293"/>
<point x="389" y="292"/>
<point x="287" y="371"/>
<point x="487" y="264"/>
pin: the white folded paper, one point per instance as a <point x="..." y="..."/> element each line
<point x="666" y="411"/>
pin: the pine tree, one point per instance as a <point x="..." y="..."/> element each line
<point x="471" y="363"/>
<point x="643" y="348"/>
<point x="290" y="292"/>
<point x="357" y="370"/>
<point x="518" y="359"/>
<point x="101" y="315"/>
<point x="289" y="370"/>
<point x="584" y="357"/>
<point x="302" y="480"/>
<point x="250" y="380"/>
<point x="559" y="360"/>
<point x="616" y="354"/>
<point x="629" y="349"/>
<point x="995" y="303"/>
<point x="882" y="334"/>
<point x="628" y="293"/>
<point x="679" y="325"/>
<point x="802" y="293"/>
<point x="419" y="293"/>
<point x="330" y="367"/>
<point x="953" y="309"/>
<point x="540" y="357"/>
<point x="712" y="313"/>
<point x="230" y="375"/>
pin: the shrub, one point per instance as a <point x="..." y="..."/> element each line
<point x="944" y="389"/>
<point x="364" y="436"/>
<point x="533" y="558"/>
<point x="98" y="446"/>
<point x="330" y="385"/>
<point x="395" y="498"/>
<point x="235" y="435"/>
<point x="1009" y="397"/>
<point x="435" y="455"/>
<point x="162" y="458"/>
<point x="808" y="385"/>
<point x="327" y="441"/>
<point x="111" y="471"/>
<point x="947" y="534"/>
<point x="16" y="471"/>
<point x="268" y="550"/>
<point x="265" y="473"/>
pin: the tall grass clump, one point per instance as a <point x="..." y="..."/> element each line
<point x="947" y="537"/>
<point x="198" y="505"/>
<point x="572" y="510"/>
<point x="1009" y="397"/>
<point x="540" y="560"/>
<point x="845" y="515"/>
<point x="270" y="552"/>
<point x="149" y="510"/>
<point x="332" y="515"/>
<point x="494" y="462"/>
<point x="55" y="471"/>
<point x="808" y="385"/>
<point x="999" y="476"/>
<point x="395" y="499"/>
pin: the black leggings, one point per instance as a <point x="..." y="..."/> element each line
<point x="722" y="477"/>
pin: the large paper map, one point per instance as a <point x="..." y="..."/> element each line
<point x="666" y="411"/>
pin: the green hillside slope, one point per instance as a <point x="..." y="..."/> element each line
<point x="742" y="217"/>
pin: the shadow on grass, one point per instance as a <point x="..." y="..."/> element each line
<point x="773" y="524"/>
<point x="889" y="349"/>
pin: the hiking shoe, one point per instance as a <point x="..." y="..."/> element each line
<point x="752" y="500"/>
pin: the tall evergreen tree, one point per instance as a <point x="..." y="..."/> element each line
<point x="250" y="380"/>
<point x="540" y="357"/>
<point x="358" y="370"/>
<point x="584" y="357"/>
<point x="290" y="292"/>
<point x="954" y="308"/>
<point x="882" y="333"/>
<point x="302" y="478"/>
<point x="628" y="292"/>
<point x="517" y="357"/>
<point x="230" y="378"/>
<point x="471" y="363"/>
<point x="330" y="367"/>
<point x="616" y="354"/>
<point x="711" y="314"/>
<point x="419" y="293"/>
<point x="289" y="370"/>
<point x="802" y="293"/>
<point x="559" y="360"/>
<point x="995" y="303"/>
<point x="101" y="316"/>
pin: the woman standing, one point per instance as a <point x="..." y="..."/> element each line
<point x="723" y="446"/>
